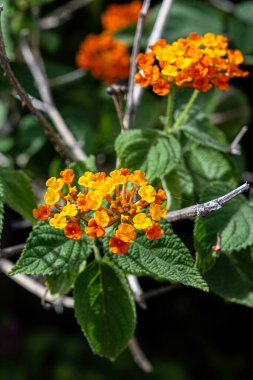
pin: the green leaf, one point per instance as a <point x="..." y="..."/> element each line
<point x="1" y="208"/>
<point x="231" y="277"/>
<point x="179" y="188"/>
<point x="49" y="252"/>
<point x="30" y="137"/>
<point x="238" y="28"/>
<point x="166" y="258"/>
<point x="207" y="166"/>
<point x="18" y="192"/>
<point x="234" y="223"/>
<point x="201" y="18"/>
<point x="61" y="284"/>
<point x="104" y="308"/>
<point x="198" y="128"/>
<point x="244" y="11"/>
<point x="148" y="150"/>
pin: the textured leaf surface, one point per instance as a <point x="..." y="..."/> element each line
<point x="148" y="150"/>
<point x="49" y="252"/>
<point x="63" y="283"/>
<point x="207" y="165"/>
<point x="234" y="222"/>
<point x="180" y="187"/>
<point x="166" y="258"/>
<point x="104" y="308"/>
<point x="203" y="135"/>
<point x="232" y="277"/>
<point x="18" y="192"/>
<point x="1" y="208"/>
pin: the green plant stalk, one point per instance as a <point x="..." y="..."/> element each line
<point x="168" y="121"/>
<point x="96" y="253"/>
<point x="186" y="110"/>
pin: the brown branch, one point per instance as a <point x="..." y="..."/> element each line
<point x="139" y="356"/>
<point x="67" y="78"/>
<point x="35" y="64"/>
<point x="11" y="251"/>
<point x="235" y="145"/>
<point x="52" y="135"/>
<point x="205" y="208"/>
<point x="136" y="290"/>
<point x="62" y="14"/>
<point x="136" y="47"/>
<point x="162" y="290"/>
<point x="34" y="287"/>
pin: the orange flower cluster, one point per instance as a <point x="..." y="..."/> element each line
<point x="108" y="59"/>
<point x="105" y="57"/>
<point x="118" y="16"/>
<point x="199" y="62"/>
<point x="102" y="202"/>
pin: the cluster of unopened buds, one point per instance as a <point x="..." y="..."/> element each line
<point x="122" y="199"/>
<point x="199" y="62"/>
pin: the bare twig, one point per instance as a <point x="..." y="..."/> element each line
<point x="53" y="136"/>
<point x="136" y="290"/>
<point x="136" y="47"/>
<point x="235" y="145"/>
<point x="62" y="14"/>
<point x="67" y="78"/>
<point x="11" y="251"/>
<point x="33" y="286"/>
<point x="139" y="356"/>
<point x="205" y="208"/>
<point x="41" y="81"/>
<point x="162" y="290"/>
<point x="155" y="35"/>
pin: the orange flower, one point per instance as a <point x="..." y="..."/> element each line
<point x="125" y="232"/>
<point x="104" y="201"/>
<point x="118" y="246"/>
<point x="94" y="230"/>
<point x="67" y="176"/>
<point x="154" y="232"/>
<point x="106" y="58"/>
<point x="42" y="213"/>
<point x="73" y="231"/>
<point x="118" y="16"/>
<point x="199" y="62"/>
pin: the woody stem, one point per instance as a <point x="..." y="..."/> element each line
<point x="187" y="108"/>
<point x="168" y="120"/>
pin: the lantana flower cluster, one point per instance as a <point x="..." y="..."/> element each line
<point x="199" y="62"/>
<point x="123" y="199"/>
<point x="108" y="59"/>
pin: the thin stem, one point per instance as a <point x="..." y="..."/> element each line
<point x="205" y="208"/>
<point x="96" y="252"/>
<point x="136" y="47"/>
<point x="168" y="120"/>
<point x="181" y="117"/>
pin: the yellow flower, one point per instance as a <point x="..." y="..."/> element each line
<point x="118" y="178"/>
<point x="102" y="218"/>
<point x="55" y="183"/>
<point x="141" y="221"/>
<point x="125" y="232"/>
<point x="93" y="200"/>
<point x="138" y="178"/>
<point x="51" y="197"/>
<point x="107" y="188"/>
<point x="58" y="221"/>
<point x="69" y="210"/>
<point x="157" y="212"/>
<point x="86" y="180"/>
<point x="147" y="193"/>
